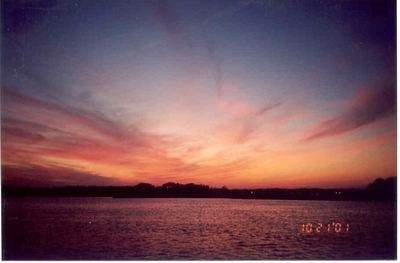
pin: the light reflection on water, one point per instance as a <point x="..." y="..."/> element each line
<point x="107" y="228"/>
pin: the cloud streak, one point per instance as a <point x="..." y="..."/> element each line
<point x="366" y="107"/>
<point x="52" y="176"/>
<point x="247" y="119"/>
<point x="47" y="143"/>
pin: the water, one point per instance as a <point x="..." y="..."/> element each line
<point x="107" y="228"/>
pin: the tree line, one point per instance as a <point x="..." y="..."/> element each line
<point x="379" y="190"/>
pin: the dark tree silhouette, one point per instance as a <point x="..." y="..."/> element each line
<point x="382" y="189"/>
<point x="379" y="190"/>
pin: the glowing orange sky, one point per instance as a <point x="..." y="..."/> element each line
<point x="253" y="149"/>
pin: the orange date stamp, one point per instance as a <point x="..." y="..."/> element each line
<point x="333" y="227"/>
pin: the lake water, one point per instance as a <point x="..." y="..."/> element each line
<point x="107" y="228"/>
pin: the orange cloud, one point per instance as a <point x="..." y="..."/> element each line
<point x="250" y="148"/>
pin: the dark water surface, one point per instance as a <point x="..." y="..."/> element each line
<point x="107" y="228"/>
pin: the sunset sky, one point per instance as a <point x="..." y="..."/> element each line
<point x="225" y="93"/>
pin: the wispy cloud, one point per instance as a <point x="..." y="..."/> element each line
<point x="366" y="107"/>
<point x="47" y="143"/>
<point x="59" y="115"/>
<point x="247" y="118"/>
<point x="33" y="130"/>
<point x="36" y="175"/>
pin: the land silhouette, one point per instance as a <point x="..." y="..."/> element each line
<point x="379" y="190"/>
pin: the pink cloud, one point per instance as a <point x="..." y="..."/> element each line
<point x="366" y="107"/>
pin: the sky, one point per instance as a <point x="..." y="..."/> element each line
<point x="242" y="94"/>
